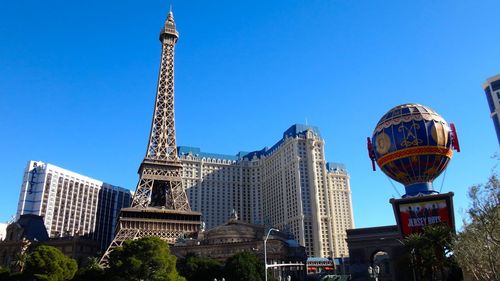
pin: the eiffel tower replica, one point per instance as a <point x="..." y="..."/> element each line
<point x="160" y="206"/>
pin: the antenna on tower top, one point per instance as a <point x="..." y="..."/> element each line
<point x="170" y="16"/>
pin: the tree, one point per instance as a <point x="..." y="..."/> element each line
<point x="431" y="252"/>
<point x="200" y="268"/>
<point x="19" y="261"/>
<point x="4" y="273"/>
<point x="147" y="258"/>
<point x="244" y="266"/>
<point x="91" y="272"/>
<point x="477" y="246"/>
<point x="48" y="263"/>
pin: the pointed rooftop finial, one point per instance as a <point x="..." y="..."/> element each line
<point x="169" y="26"/>
<point x="170" y="14"/>
<point x="234" y="215"/>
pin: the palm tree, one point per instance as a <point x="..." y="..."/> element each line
<point x="439" y="240"/>
<point x="416" y="244"/>
<point x="430" y="250"/>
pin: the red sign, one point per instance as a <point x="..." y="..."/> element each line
<point x="413" y="213"/>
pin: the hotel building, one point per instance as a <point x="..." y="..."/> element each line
<point x="71" y="204"/>
<point x="492" y="89"/>
<point x="339" y="186"/>
<point x="289" y="186"/>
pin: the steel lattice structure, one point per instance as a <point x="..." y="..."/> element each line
<point x="160" y="206"/>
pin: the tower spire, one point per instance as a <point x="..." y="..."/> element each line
<point x="169" y="29"/>
<point x="162" y="146"/>
<point x="160" y="205"/>
<point x="170" y="16"/>
<point x="161" y="154"/>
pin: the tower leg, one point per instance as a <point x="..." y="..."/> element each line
<point x="121" y="236"/>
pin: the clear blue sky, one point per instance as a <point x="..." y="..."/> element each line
<point x="78" y="79"/>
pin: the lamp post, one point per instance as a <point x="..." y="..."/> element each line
<point x="265" y="250"/>
<point x="342" y="262"/>
<point x="413" y="263"/>
<point x="374" y="272"/>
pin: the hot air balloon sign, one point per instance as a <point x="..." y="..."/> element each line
<point x="412" y="144"/>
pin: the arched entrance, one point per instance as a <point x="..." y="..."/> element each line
<point x="380" y="246"/>
<point x="382" y="260"/>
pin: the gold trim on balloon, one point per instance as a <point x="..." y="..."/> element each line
<point x="414" y="151"/>
<point x="382" y="143"/>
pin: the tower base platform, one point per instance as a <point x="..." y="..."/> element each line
<point x="168" y="225"/>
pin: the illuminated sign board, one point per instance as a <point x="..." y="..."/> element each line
<point x="413" y="213"/>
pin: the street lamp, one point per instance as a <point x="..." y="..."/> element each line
<point x="374" y="272"/>
<point x="265" y="250"/>
<point x="413" y="263"/>
<point x="342" y="262"/>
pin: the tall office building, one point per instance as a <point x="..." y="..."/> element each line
<point x="492" y="89"/>
<point x="71" y="204"/>
<point x="289" y="186"/>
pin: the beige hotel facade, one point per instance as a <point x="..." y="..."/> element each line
<point x="289" y="186"/>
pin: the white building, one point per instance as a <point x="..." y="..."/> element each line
<point x="3" y="230"/>
<point x="71" y="204"/>
<point x="492" y="89"/>
<point x="289" y="186"/>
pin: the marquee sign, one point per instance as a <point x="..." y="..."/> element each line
<point x="414" y="213"/>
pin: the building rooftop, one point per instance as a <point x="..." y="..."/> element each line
<point x="33" y="228"/>
<point x="49" y="166"/>
<point x="294" y="131"/>
<point x="494" y="81"/>
<point x="335" y="167"/>
<point x="196" y="152"/>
